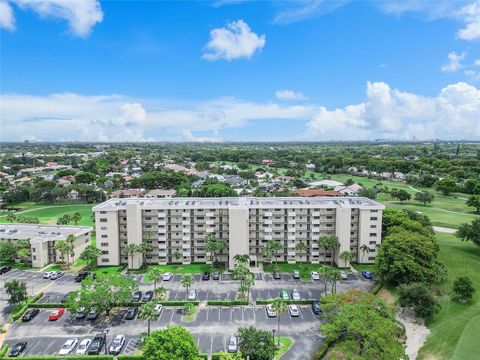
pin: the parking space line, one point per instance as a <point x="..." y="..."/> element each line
<point x="173" y="313"/>
<point x="48" y="348"/>
<point x="30" y="351"/>
<point x="219" y="312"/>
<point x="231" y="313"/>
<point x="208" y="312"/>
<point x="300" y="311"/>
<point x="211" y="345"/>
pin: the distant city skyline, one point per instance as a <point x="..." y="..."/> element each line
<point x="232" y="70"/>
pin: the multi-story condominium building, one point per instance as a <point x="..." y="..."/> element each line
<point x="42" y="238"/>
<point x="176" y="228"/>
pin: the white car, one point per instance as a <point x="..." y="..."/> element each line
<point x="232" y="344"/>
<point x="167" y="276"/>
<point x="68" y="347"/>
<point x="314" y="275"/>
<point x="47" y="275"/>
<point x="294" y="310"/>
<point x="295" y="294"/>
<point x="83" y="346"/>
<point x="343" y="275"/>
<point x="270" y="311"/>
<point x="116" y="345"/>
<point x="158" y="308"/>
<point x="192" y="294"/>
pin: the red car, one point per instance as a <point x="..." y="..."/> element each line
<point x="55" y="315"/>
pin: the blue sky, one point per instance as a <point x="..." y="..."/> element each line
<point x="239" y="70"/>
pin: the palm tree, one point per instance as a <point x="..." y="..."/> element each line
<point x="322" y="245"/>
<point x="70" y="248"/>
<point x="323" y="271"/>
<point x="144" y="248"/>
<point x="345" y="256"/>
<point x="334" y="276"/>
<point x="130" y="250"/>
<point x="155" y="274"/>
<point x="301" y="247"/>
<point x="241" y="259"/>
<point x="267" y="253"/>
<point x="364" y="249"/>
<point x="211" y="245"/>
<point x="276" y="246"/>
<point x="147" y="312"/>
<point x="279" y="306"/>
<point x="242" y="290"/>
<point x="187" y="281"/>
<point x="177" y="254"/>
<point x="248" y="282"/>
<point x="160" y="292"/>
<point x="332" y="245"/>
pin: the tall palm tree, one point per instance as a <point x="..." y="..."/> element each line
<point x="241" y="259"/>
<point x="130" y="250"/>
<point x="267" y="253"/>
<point x="276" y="246"/>
<point x="335" y="277"/>
<point x="323" y="271"/>
<point x="332" y="245"/>
<point x="279" y="306"/>
<point x="345" y="256"/>
<point x="147" y="312"/>
<point x="187" y="281"/>
<point x="211" y="245"/>
<point x="248" y="282"/>
<point x="144" y="248"/>
<point x="322" y="245"/>
<point x="155" y="274"/>
<point x="365" y="250"/>
<point x="301" y="247"/>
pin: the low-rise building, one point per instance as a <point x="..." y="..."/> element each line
<point x="160" y="194"/>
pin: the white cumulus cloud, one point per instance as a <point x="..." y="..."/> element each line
<point x="7" y="20"/>
<point x="454" y="62"/>
<point x="234" y="41"/>
<point x="290" y="95"/>
<point x="470" y="14"/>
<point x="81" y="15"/>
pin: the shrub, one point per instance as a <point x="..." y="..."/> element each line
<point x="3" y="351"/>
<point x="67" y="357"/>
<point x="289" y="302"/>
<point x="227" y="303"/>
<point x="47" y="305"/>
<point x="131" y="357"/>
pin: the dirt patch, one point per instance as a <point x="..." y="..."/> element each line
<point x="386" y="296"/>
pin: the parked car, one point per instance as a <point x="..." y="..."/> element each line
<point x="167" y="276"/>
<point x="65" y="297"/>
<point x="314" y="275"/>
<point x="147" y="296"/>
<point x="18" y="349"/>
<point x="5" y="269"/>
<point x="294" y="310"/>
<point x="68" y="347"/>
<point x="137" y="296"/>
<point x="316" y="307"/>
<point x="48" y="274"/>
<point x="270" y="311"/>
<point x="80" y="313"/>
<point x="92" y="315"/>
<point x="81" y="276"/>
<point x="131" y="313"/>
<point x="343" y="275"/>
<point x="206" y="275"/>
<point x="30" y="314"/>
<point x="83" y="347"/>
<point x="192" y="294"/>
<point x="295" y="294"/>
<point x="367" y="274"/>
<point x="277" y="275"/>
<point x="96" y="346"/>
<point x="216" y="275"/>
<point x="56" y="314"/>
<point x="57" y="275"/>
<point x="232" y="344"/>
<point x="284" y="294"/>
<point x="158" y="308"/>
<point x="296" y="274"/>
<point x="117" y="344"/>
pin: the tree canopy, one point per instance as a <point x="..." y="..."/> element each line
<point x="174" y="342"/>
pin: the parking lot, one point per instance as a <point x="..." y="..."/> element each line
<point x="211" y="328"/>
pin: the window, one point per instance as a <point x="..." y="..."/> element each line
<point x="105" y="252"/>
<point x="373" y="234"/>
<point x="103" y="220"/>
<point x="148" y="218"/>
<point x="373" y="218"/>
<point x="104" y="236"/>
<point x="372" y="242"/>
<point x="103" y="212"/>
<point x="373" y="226"/>
<point x="34" y="257"/>
<point x="103" y="228"/>
<point x="104" y="260"/>
<point x="373" y="211"/>
<point x="103" y="244"/>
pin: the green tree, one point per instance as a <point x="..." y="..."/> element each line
<point x="64" y="219"/>
<point x="160" y="293"/>
<point x="463" y="287"/>
<point x="400" y="194"/>
<point x="346" y="256"/>
<point x="148" y="313"/>
<point x="279" y="306"/>
<point x="8" y="252"/>
<point x="214" y="246"/>
<point x="267" y="253"/>
<point x="130" y="250"/>
<point x="419" y="297"/>
<point x="16" y="290"/>
<point x="90" y="255"/>
<point x="174" y="342"/>
<point x="256" y="344"/>
<point x="424" y="197"/>
<point x="177" y="255"/>
<point x="11" y="217"/>
<point x="469" y="232"/>
<point x="275" y="246"/>
<point x="364" y="249"/>
<point x="329" y="243"/>
<point x="369" y="193"/>
<point x="474" y="201"/>
<point x="446" y="186"/>
<point x="84" y="178"/>
<point x="324" y="272"/>
<point x="144" y="248"/>
<point x="76" y="217"/>
<point x="301" y="247"/>
<point x="103" y="293"/>
<point x="24" y="255"/>
<point x="187" y="281"/>
<point x="241" y="259"/>
<point x="154" y="274"/>
<point x="334" y="275"/>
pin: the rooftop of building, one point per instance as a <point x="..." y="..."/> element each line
<point x="36" y="232"/>
<point x="252" y="202"/>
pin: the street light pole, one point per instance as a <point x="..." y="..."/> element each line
<point x="273" y="333"/>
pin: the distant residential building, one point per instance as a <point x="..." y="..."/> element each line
<point x="285" y="178"/>
<point x="267" y="162"/>
<point x="397" y="175"/>
<point x="325" y="183"/>
<point x="310" y="166"/>
<point x="127" y="193"/>
<point x="316" y="193"/>
<point x="234" y="180"/>
<point x="345" y="190"/>
<point x="21" y="181"/>
<point x="160" y="194"/>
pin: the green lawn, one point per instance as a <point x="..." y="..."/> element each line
<point x="285" y="344"/>
<point x="179" y="269"/>
<point x="304" y="268"/>
<point x="454" y="329"/>
<point x="369" y="267"/>
<point x="108" y="269"/>
<point x="49" y="214"/>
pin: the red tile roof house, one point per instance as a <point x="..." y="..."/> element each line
<point x="316" y="193"/>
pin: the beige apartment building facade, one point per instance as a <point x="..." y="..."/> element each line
<point x="176" y="228"/>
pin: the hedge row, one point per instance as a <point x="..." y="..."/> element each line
<point x="3" y="351"/>
<point x="131" y="357"/>
<point x="24" y="308"/>
<point x="322" y="351"/>
<point x="202" y="357"/>
<point x="227" y="303"/>
<point x="47" y="305"/>
<point x="377" y="288"/>
<point x="67" y="357"/>
<point x="217" y="356"/>
<point x="60" y="305"/>
<point x="297" y="302"/>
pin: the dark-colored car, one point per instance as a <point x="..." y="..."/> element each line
<point x="5" y="269"/>
<point x="137" y="296"/>
<point x="147" y="296"/>
<point x="316" y="307"/>
<point x="92" y="315"/>
<point x="30" y="314"/>
<point x="18" y="348"/>
<point x="216" y="275"/>
<point x="206" y="275"/>
<point x="65" y="298"/>
<point x="131" y="313"/>
<point x="276" y="275"/>
<point x="81" y="276"/>
<point x="367" y="274"/>
<point x="96" y="345"/>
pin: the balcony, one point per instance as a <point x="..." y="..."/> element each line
<point x="291" y="237"/>
<point x="186" y="238"/>
<point x="210" y="222"/>
<point x="210" y="214"/>
<point x="162" y="222"/>
<point x="268" y="236"/>
<point x="186" y="246"/>
<point x="291" y="245"/>
<point x="162" y="238"/>
<point x="267" y="213"/>
<point x="291" y="253"/>
<point x="267" y="222"/>
<point x="186" y="214"/>
<point x="209" y="230"/>
<point x="316" y="221"/>
<point x="316" y="213"/>
<point x="291" y="229"/>
<point x="162" y="214"/>
<point x="186" y="222"/>
<point x="292" y="213"/>
<point x="292" y="221"/>
<point x="268" y="230"/>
